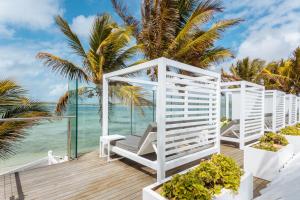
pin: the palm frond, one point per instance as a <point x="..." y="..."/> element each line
<point x="207" y="39"/>
<point x="73" y="39"/>
<point x="128" y="19"/>
<point x="130" y="95"/>
<point x="63" y="67"/>
<point x="11" y="93"/>
<point x="12" y="132"/>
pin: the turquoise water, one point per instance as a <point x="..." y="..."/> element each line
<point x="52" y="135"/>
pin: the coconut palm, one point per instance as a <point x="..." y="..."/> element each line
<point x="283" y="75"/>
<point x="14" y="104"/>
<point x="246" y="69"/>
<point x="177" y="29"/>
<point x="108" y="50"/>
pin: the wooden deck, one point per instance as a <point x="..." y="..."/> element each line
<point x="90" y="177"/>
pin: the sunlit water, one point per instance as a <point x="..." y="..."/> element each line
<point x="53" y="135"/>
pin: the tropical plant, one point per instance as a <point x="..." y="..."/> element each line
<point x="109" y="50"/>
<point x="271" y="142"/>
<point x="290" y="130"/>
<point x="206" y="180"/>
<point x="283" y="75"/>
<point x="245" y="69"/>
<point x="15" y="104"/>
<point x="177" y="29"/>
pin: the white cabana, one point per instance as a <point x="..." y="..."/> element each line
<point x="291" y="109"/>
<point x="246" y="112"/>
<point x="187" y="114"/>
<point x="274" y="110"/>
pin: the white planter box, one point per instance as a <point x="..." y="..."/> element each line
<point x="245" y="191"/>
<point x="266" y="164"/>
<point x="295" y="141"/>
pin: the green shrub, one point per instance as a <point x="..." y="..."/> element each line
<point x="290" y="130"/>
<point x="271" y="142"/>
<point x="297" y="125"/>
<point x="204" y="181"/>
<point x="225" y="121"/>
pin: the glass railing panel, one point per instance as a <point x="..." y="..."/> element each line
<point x="142" y="116"/>
<point x="89" y="129"/>
<point x="72" y="110"/>
<point x="119" y="119"/>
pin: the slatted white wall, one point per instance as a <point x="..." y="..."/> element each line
<point x="191" y="114"/>
<point x="274" y="105"/>
<point x="248" y="110"/>
<point x="280" y="110"/>
<point x="253" y="112"/>
<point x="291" y="105"/>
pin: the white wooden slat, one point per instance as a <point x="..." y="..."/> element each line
<point x="206" y="112"/>
<point x="253" y="121"/>
<point x="198" y="79"/>
<point x="251" y="130"/>
<point x="188" y="123"/>
<point x="198" y="96"/>
<point x="178" y="137"/>
<point x="172" y="106"/>
<point x="188" y="140"/>
<point x="190" y="68"/>
<point x="188" y="147"/>
<point x="170" y="100"/>
<point x="189" y="83"/>
<point x="189" y="118"/>
<point x="192" y="129"/>
<point x="200" y="91"/>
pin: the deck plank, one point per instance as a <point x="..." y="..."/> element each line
<point x="90" y="177"/>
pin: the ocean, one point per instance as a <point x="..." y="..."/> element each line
<point x="52" y="135"/>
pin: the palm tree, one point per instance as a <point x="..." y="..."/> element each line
<point x="176" y="29"/>
<point x="283" y="75"/>
<point x="109" y="50"/>
<point x="14" y="104"/>
<point x="246" y="69"/>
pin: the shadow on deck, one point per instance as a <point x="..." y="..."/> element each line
<point x="90" y="177"/>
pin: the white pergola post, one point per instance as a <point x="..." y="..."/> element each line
<point x="104" y="111"/>
<point x="291" y="110"/>
<point x="104" y="107"/>
<point x="284" y="111"/>
<point x="218" y="100"/>
<point x="160" y="119"/>
<point x="263" y="112"/>
<point x="227" y="104"/>
<point x="242" y="116"/>
<point x="274" y="112"/>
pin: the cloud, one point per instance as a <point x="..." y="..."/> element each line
<point x="18" y="62"/>
<point x="58" y="89"/>
<point x="82" y="25"/>
<point x="272" y="27"/>
<point x="29" y="14"/>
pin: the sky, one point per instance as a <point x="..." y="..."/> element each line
<point x="270" y="30"/>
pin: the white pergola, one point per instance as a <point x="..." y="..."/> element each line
<point x="291" y="109"/>
<point x="187" y="112"/>
<point x="247" y="111"/>
<point x="274" y="110"/>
